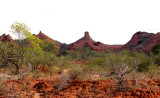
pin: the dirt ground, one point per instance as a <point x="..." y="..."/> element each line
<point x="45" y="88"/>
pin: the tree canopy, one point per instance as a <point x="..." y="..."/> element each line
<point x="21" y="30"/>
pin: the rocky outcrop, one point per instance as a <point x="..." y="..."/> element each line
<point x="6" y="38"/>
<point x="42" y="36"/>
<point x="87" y="41"/>
<point x="142" y="41"/>
<point x="81" y="42"/>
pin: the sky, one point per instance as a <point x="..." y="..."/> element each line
<point x="107" y="21"/>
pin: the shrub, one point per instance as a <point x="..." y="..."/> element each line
<point x="74" y="73"/>
<point x="157" y="61"/>
<point x="85" y="54"/>
<point x="120" y="65"/>
<point x="144" y="66"/>
<point x="156" y="49"/>
<point x="68" y="74"/>
<point x="99" y="61"/>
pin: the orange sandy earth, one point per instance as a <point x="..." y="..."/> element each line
<point x="41" y="88"/>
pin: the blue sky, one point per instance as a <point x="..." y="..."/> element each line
<point x="108" y="21"/>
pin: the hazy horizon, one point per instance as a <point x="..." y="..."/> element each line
<point x="110" y="22"/>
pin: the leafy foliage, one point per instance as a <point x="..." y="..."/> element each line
<point x="10" y="53"/>
<point x="49" y="46"/>
<point x="21" y="30"/>
<point x="156" y="49"/>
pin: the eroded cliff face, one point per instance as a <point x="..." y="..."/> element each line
<point x="142" y="41"/>
<point x="87" y="41"/>
<point x="6" y="38"/>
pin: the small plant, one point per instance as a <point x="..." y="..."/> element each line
<point x="68" y="74"/>
<point x="64" y="79"/>
<point x="120" y="65"/>
<point x="26" y="70"/>
<point x="119" y="75"/>
<point x="74" y="73"/>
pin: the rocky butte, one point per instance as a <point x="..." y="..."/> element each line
<point x="87" y="41"/>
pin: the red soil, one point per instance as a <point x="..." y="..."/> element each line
<point x="84" y="89"/>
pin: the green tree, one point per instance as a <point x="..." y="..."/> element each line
<point x="49" y="46"/>
<point x="14" y="53"/>
<point x="21" y="30"/>
<point x="9" y="54"/>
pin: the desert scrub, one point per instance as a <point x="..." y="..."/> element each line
<point x="84" y="54"/>
<point x="99" y="61"/>
<point x="155" y="49"/>
<point x="146" y="65"/>
<point x="26" y="70"/>
<point x="63" y="60"/>
<point x="71" y="74"/>
<point x="153" y="73"/>
<point x="4" y="91"/>
<point x="75" y="73"/>
<point x="36" y="74"/>
<point x="120" y="65"/>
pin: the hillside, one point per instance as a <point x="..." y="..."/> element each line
<point x="142" y="41"/>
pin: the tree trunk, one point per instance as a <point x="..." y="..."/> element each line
<point x="17" y="69"/>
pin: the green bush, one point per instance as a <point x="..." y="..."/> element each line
<point x="85" y="54"/>
<point x="144" y="66"/>
<point x="156" y="49"/>
<point x="157" y="61"/>
<point x="96" y="63"/>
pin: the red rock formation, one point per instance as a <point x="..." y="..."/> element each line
<point x="87" y="41"/>
<point x="6" y="38"/>
<point x="142" y="41"/>
<point x="42" y="36"/>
